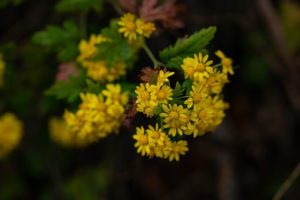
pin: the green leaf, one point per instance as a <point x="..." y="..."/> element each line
<point x="94" y="87"/>
<point x="116" y="49"/>
<point x="129" y="87"/>
<point x="175" y="63"/>
<point x="188" y="46"/>
<point x="69" y="89"/>
<point x="79" y="5"/>
<point x="178" y="90"/>
<point x="187" y="85"/>
<point x="63" y="40"/>
<point x="157" y="110"/>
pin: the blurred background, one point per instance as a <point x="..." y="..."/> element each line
<point x="248" y="157"/>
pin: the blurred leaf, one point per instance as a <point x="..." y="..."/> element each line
<point x="94" y="87"/>
<point x="173" y="55"/>
<point x="116" y="49"/>
<point x="63" y="40"/>
<point x="129" y="87"/>
<point x="79" y="5"/>
<point x="4" y="3"/>
<point x="175" y="63"/>
<point x="69" y="89"/>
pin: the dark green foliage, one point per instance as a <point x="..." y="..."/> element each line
<point x="69" y="89"/>
<point x="63" y="40"/>
<point x="188" y="46"/>
<point x="79" y="5"/>
<point x="116" y="49"/>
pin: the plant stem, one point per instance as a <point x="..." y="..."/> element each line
<point x="155" y="62"/>
<point x="287" y="183"/>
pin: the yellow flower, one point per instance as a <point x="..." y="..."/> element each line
<point x="189" y="67"/>
<point x="11" y="131"/>
<point x="146" y="98"/>
<point x="207" y="116"/>
<point x="176" y="118"/>
<point x="60" y="133"/>
<point x="88" y="48"/>
<point x="132" y="27"/>
<point x="176" y="149"/>
<point x="128" y="26"/>
<point x="163" y="94"/>
<point x="197" y="95"/>
<point x="113" y="94"/>
<point x="158" y="140"/>
<point x="215" y="82"/>
<point x="97" y="69"/>
<point x="198" y="67"/>
<point x="163" y="77"/>
<point x="145" y="29"/>
<point x="226" y="62"/>
<point x="2" y="70"/>
<point x="141" y="143"/>
<point x="98" y="115"/>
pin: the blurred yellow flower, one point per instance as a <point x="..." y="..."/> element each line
<point x="11" y="131"/>
<point x="131" y="27"/>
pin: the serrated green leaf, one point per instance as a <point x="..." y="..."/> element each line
<point x="69" y="89"/>
<point x="188" y="46"/>
<point x="79" y="5"/>
<point x="69" y="52"/>
<point x="178" y="90"/>
<point x="175" y="63"/>
<point x="116" y="49"/>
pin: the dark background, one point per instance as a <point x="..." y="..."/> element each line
<point x="248" y="157"/>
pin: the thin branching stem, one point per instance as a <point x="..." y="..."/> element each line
<point x="287" y="183"/>
<point x="155" y="62"/>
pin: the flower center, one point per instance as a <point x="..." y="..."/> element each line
<point x="227" y="62"/>
<point x="174" y="115"/>
<point x="189" y="70"/>
<point x="143" y="139"/>
<point x="131" y="26"/>
<point x="161" y="94"/>
<point x="197" y="98"/>
<point x="144" y="95"/>
<point x="201" y="67"/>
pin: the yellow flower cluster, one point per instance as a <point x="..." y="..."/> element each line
<point x="132" y="27"/>
<point x="11" y="131"/>
<point x="97" y="116"/>
<point x="97" y="69"/>
<point x="2" y="70"/>
<point x="201" y="111"/>
<point x="155" y="142"/>
<point x="60" y="133"/>
<point x="149" y="96"/>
